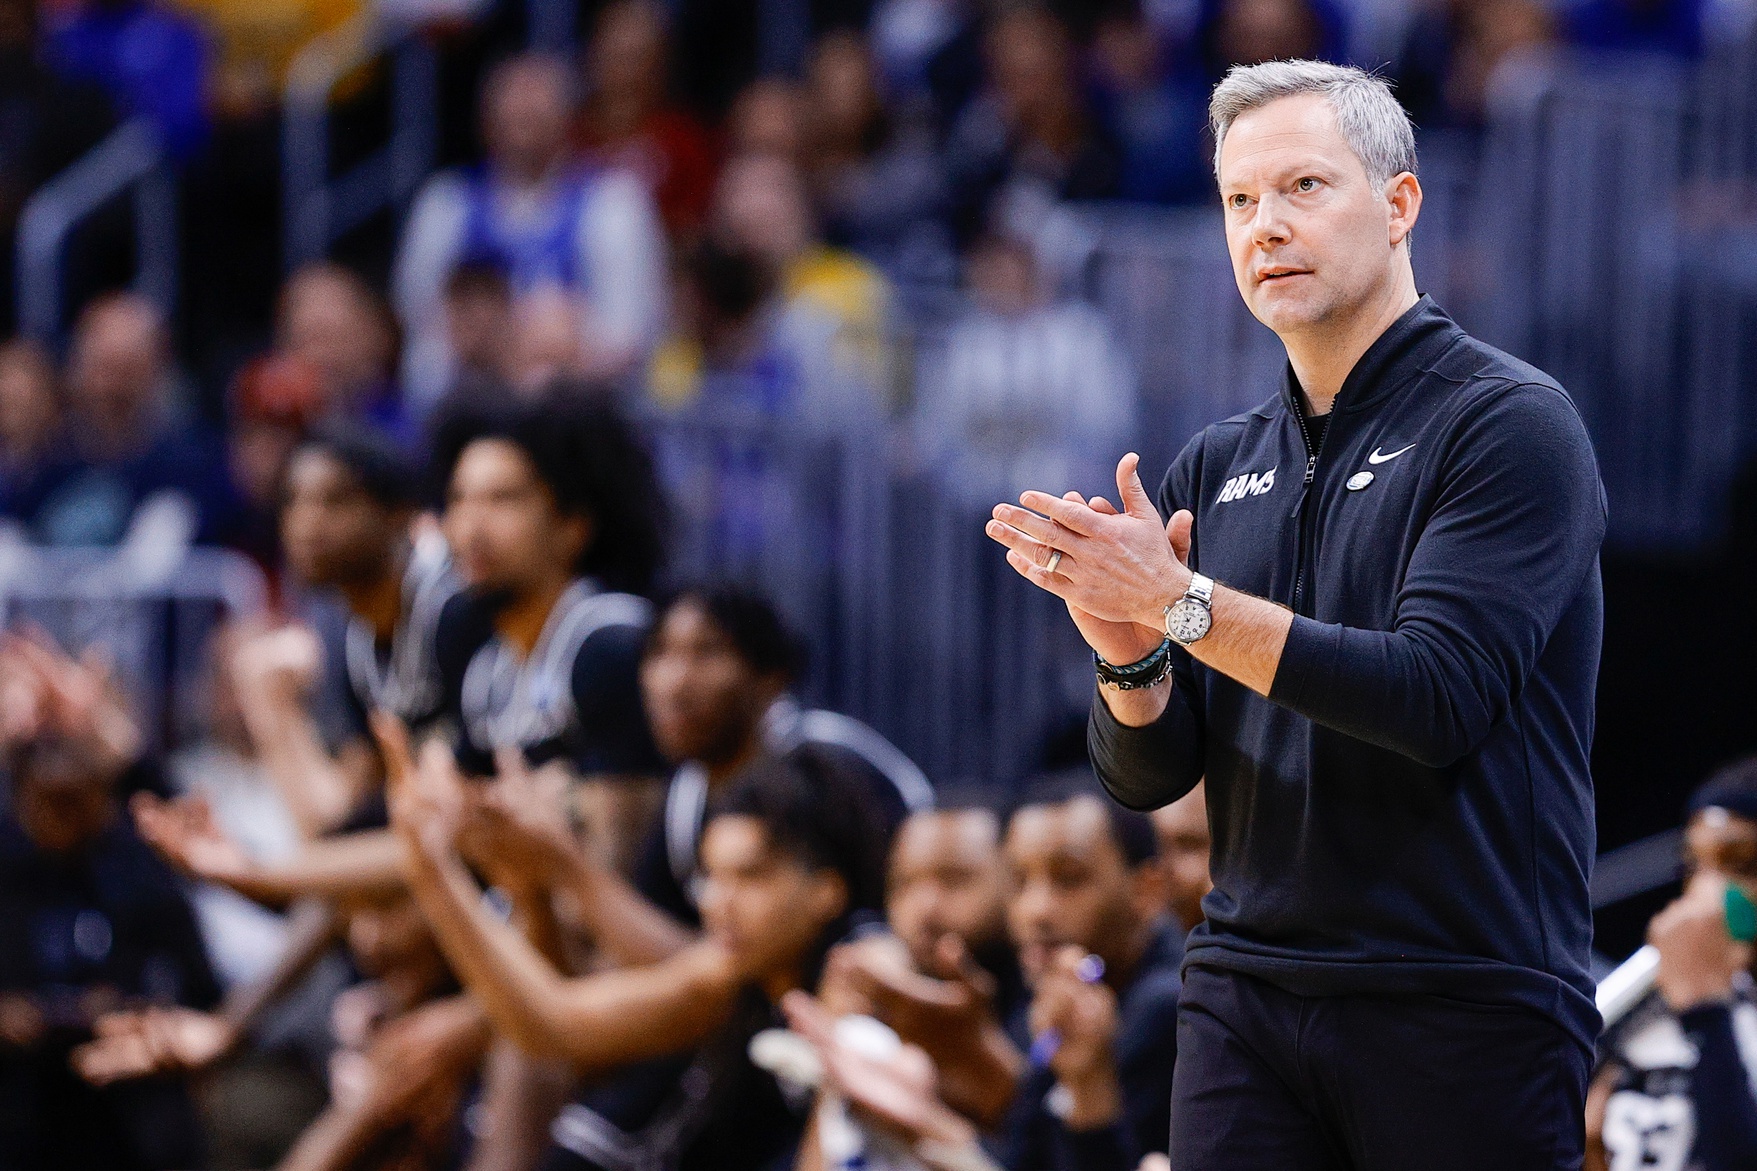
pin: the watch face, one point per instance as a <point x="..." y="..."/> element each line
<point x="1188" y="621"/>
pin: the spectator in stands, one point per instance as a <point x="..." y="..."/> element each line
<point x="252" y="45"/>
<point x="788" y="859"/>
<point x="30" y="419"/>
<point x="479" y="323"/>
<point x="1658" y="26"/>
<point x="330" y="321"/>
<point x="1249" y="32"/>
<point x="1151" y="99"/>
<point x="544" y="220"/>
<point x="274" y="399"/>
<point x="1184" y="845"/>
<point x="1028" y="140"/>
<point x="153" y="60"/>
<point x="768" y="119"/>
<point x="876" y="180"/>
<point x="89" y="920"/>
<point x="762" y="208"/>
<point x="1451" y="52"/>
<point x="1674" y="1088"/>
<point x="629" y="122"/>
<point x="729" y="342"/>
<point x="127" y="446"/>
<point x="46" y="122"/>
<point x="1031" y="389"/>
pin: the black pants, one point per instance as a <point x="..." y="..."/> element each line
<point x="1270" y="1081"/>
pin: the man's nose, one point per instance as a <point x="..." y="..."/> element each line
<point x="1270" y="225"/>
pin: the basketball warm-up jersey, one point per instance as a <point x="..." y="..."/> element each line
<point x="576" y="696"/>
<point x="403" y="677"/>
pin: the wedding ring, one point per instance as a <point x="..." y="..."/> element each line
<point x="1055" y="559"/>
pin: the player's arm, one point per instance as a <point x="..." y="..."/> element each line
<point x="183" y="831"/>
<point x="597" y="1021"/>
<point x="275" y="674"/>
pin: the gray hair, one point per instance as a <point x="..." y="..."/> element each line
<point x="1373" y="123"/>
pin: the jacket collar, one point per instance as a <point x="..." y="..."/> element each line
<point x="1402" y="352"/>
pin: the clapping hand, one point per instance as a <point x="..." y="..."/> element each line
<point x="1117" y="570"/>
<point x="1698" y="957"/>
<point x="151" y="1041"/>
<point x="426" y="797"/>
<point x="185" y="834"/>
<point x="1081" y="1013"/>
<point x="44" y="690"/>
<point x="515" y="830"/>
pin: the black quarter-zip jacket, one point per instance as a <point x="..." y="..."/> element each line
<point x="1410" y="810"/>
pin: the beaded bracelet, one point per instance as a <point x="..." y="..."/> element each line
<point x="1149" y="672"/>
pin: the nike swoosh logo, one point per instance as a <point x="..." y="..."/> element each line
<point x="1376" y="458"/>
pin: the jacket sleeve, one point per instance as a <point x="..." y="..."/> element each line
<point x="1726" y="1112"/>
<point x="1147" y="767"/>
<point x="1514" y="532"/>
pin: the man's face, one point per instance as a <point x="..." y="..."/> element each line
<point x="1069" y="884"/>
<point x="524" y="118"/>
<point x="1312" y="239"/>
<point x="1184" y="842"/>
<point x="63" y="802"/>
<point x="703" y="700"/>
<point x="503" y="524"/>
<point x="333" y="531"/>
<point x="946" y="877"/>
<point x="767" y="909"/>
<point x="1722" y="844"/>
<point x="116" y="364"/>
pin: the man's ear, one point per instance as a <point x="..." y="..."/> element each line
<point x="1404" y="195"/>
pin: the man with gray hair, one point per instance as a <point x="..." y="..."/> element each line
<point x="1373" y="621"/>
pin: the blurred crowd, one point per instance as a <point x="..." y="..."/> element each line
<point x="869" y="228"/>
<point x="499" y="847"/>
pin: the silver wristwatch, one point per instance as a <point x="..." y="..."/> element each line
<point x="1190" y="618"/>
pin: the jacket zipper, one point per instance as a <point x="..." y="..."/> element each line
<point x="1299" y="567"/>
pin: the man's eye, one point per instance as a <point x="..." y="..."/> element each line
<point x="1307" y="184"/>
<point x="1238" y="201"/>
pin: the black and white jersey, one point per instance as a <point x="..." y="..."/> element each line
<point x="1684" y="1094"/>
<point x="666" y="872"/>
<point x="403" y="678"/>
<point x="576" y="696"/>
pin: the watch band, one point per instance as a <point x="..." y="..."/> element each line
<point x="1202" y="589"/>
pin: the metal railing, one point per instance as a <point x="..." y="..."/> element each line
<point x="131" y="157"/>
<point x="155" y="631"/>
<point x="319" y="208"/>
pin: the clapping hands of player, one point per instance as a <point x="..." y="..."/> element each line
<point x="150" y="1041"/>
<point x="185" y="834"/>
<point x="515" y="830"/>
<point x="898" y="1093"/>
<point x="949" y="1013"/>
<point x="426" y="797"/>
<point x="1082" y="1014"/>
<point x="1698" y="958"/>
<point x="1118" y="568"/>
<point x="277" y="667"/>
